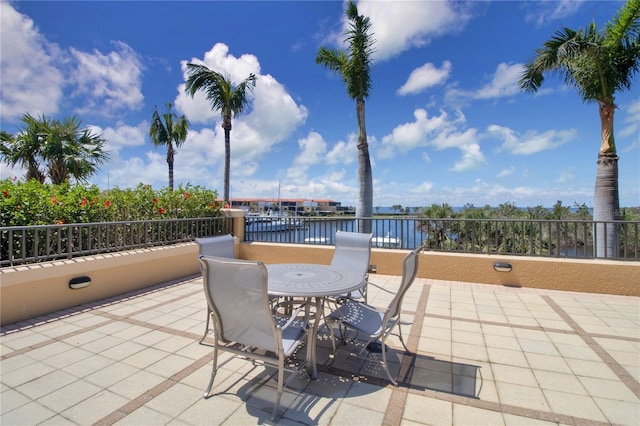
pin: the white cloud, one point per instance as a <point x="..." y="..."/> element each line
<point x="397" y="28"/>
<point x="503" y="83"/>
<point x="312" y="151"/>
<point x="542" y="12"/>
<point x="274" y="113"/>
<point x="631" y="124"/>
<point x="35" y="73"/>
<point x="408" y="136"/>
<point x="531" y="141"/>
<point x="424" y="187"/>
<point x="270" y="119"/>
<point x="344" y="152"/>
<point x="424" y="77"/>
<point x="123" y="135"/>
<point x="134" y="170"/>
<point x="439" y="132"/>
<point x="31" y="81"/>
<point x="566" y="176"/>
<point x="506" y="172"/>
<point x="471" y="157"/>
<point x="110" y="82"/>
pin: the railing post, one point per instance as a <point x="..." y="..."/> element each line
<point x="237" y="215"/>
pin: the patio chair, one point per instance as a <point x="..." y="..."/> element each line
<point x="236" y="293"/>
<point x="373" y="323"/>
<point x="218" y="246"/>
<point x="352" y="253"/>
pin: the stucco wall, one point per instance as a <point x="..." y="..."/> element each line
<point x="591" y="276"/>
<point x="29" y="291"/>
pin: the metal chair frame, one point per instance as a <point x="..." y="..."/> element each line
<point x="243" y="323"/>
<point x="373" y="323"/>
<point x="218" y="246"/>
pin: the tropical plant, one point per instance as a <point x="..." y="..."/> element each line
<point x="24" y="148"/>
<point x="26" y="203"/>
<point x="354" y="66"/>
<point x="173" y="131"/>
<point x="224" y="97"/>
<point x="55" y="149"/>
<point x="72" y="152"/>
<point x="598" y="64"/>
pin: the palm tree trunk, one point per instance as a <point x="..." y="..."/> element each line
<point x="606" y="109"/>
<point x="364" y="209"/>
<point x="606" y="206"/>
<point x="606" y="198"/>
<point x="170" y="163"/>
<point x="226" y="125"/>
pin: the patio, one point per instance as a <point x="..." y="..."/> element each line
<point x="481" y="354"/>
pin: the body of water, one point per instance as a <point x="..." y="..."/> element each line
<point x="390" y="210"/>
<point x="395" y="233"/>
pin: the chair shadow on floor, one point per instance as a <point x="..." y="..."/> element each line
<point x="416" y="371"/>
<point x="306" y="401"/>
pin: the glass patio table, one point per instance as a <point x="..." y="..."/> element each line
<point x="312" y="282"/>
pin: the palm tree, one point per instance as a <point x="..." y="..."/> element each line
<point x="24" y="148"/>
<point x="55" y="149"/>
<point x="354" y="66"/>
<point x="598" y="64"/>
<point x="224" y="97"/>
<point x="172" y="131"/>
<point x="69" y="151"/>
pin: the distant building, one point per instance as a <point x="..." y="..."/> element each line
<point x="291" y="206"/>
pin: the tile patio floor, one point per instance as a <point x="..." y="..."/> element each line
<point x="480" y="354"/>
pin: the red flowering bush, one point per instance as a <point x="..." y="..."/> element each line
<point x="32" y="203"/>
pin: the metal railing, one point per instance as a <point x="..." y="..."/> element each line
<point x="30" y="244"/>
<point x="544" y="238"/>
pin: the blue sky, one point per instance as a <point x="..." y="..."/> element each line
<point x="445" y="119"/>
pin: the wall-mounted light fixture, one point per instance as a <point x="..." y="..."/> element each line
<point x="502" y="267"/>
<point x="79" y="282"/>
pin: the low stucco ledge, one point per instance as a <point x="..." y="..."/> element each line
<point x="38" y="289"/>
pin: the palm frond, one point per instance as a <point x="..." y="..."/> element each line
<point x="624" y="28"/>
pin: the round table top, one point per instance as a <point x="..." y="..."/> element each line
<point x="310" y="280"/>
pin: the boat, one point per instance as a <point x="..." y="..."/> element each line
<point x="266" y="225"/>
<point x="256" y="222"/>
<point x="272" y="222"/>
<point x="386" y="242"/>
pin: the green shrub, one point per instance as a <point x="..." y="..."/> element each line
<point x="24" y="203"/>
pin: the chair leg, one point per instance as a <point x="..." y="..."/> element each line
<point x="207" y="393"/>
<point x="384" y="363"/>
<point x="400" y="334"/>
<point x="206" y="327"/>
<point x="280" y="386"/>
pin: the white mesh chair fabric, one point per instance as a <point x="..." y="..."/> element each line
<point x="353" y="253"/>
<point x="372" y="323"/>
<point x="218" y="246"/>
<point x="236" y="293"/>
